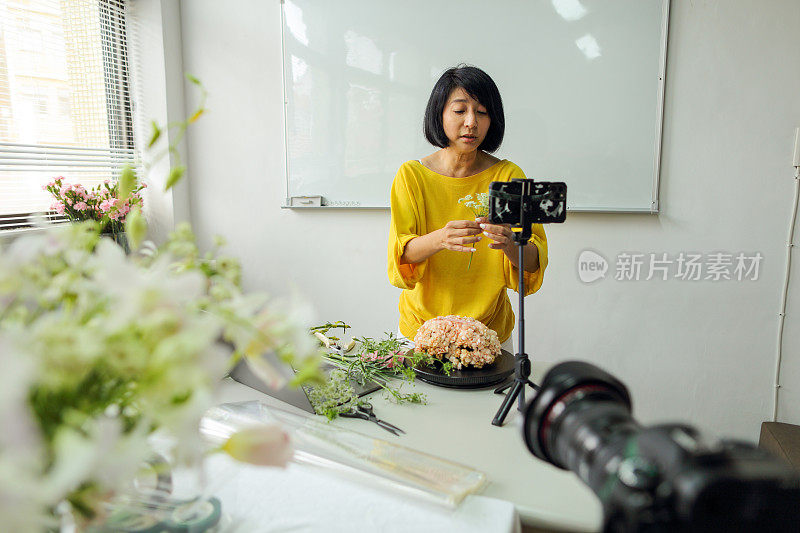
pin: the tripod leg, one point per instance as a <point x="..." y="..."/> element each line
<point x="502" y="388"/>
<point x="505" y="407"/>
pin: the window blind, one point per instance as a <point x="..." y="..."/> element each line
<point x="65" y="104"/>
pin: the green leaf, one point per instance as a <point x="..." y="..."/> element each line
<point x="193" y="79"/>
<point x="127" y="182"/>
<point x="155" y="135"/>
<point x="135" y="227"/>
<point x="175" y="175"/>
<point x="308" y="374"/>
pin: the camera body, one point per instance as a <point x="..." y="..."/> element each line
<point x="659" y="478"/>
<point x="537" y="202"/>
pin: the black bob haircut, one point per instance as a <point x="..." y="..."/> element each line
<point x="481" y="87"/>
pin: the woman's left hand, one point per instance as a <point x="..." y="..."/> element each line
<point x="501" y="234"/>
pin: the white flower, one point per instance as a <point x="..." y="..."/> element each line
<point x="99" y="349"/>
<point x="16" y="376"/>
<point x="21" y="451"/>
<point x="103" y="453"/>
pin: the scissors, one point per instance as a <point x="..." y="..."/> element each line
<point x="364" y="411"/>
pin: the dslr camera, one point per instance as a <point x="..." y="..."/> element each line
<point x="524" y="201"/>
<point x="666" y="478"/>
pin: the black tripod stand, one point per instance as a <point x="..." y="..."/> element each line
<point x="522" y="365"/>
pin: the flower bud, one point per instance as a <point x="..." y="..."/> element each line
<point x="154" y="136"/>
<point x="135" y="227"/>
<point x="127" y="181"/>
<point x="175" y="175"/>
<point x="264" y="445"/>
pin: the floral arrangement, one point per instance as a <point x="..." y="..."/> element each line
<point x="461" y="340"/>
<point x="100" y="351"/>
<point x="479" y="205"/>
<point x="102" y="354"/>
<point x="100" y="203"/>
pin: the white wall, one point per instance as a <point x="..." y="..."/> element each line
<point x="702" y="352"/>
<point x="157" y="81"/>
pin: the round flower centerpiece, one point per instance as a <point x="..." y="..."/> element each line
<point x="461" y="340"/>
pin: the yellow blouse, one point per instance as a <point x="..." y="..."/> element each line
<point x="423" y="201"/>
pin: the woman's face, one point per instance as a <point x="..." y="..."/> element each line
<point x="465" y="121"/>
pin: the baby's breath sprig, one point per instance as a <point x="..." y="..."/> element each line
<point x="479" y="205"/>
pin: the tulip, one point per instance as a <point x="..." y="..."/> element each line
<point x="263" y="445"/>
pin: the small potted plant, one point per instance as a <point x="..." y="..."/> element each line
<point x="100" y="204"/>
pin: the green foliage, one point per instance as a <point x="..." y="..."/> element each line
<point x="326" y="327"/>
<point x="127" y="182"/>
<point x="334" y="396"/>
<point x="135" y="227"/>
<point x="154" y="135"/>
<point x="175" y="175"/>
<point x="382" y="361"/>
<point x="418" y="358"/>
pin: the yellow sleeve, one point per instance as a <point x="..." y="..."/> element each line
<point x="406" y="221"/>
<point x="533" y="280"/>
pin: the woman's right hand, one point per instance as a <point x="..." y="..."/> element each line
<point x="459" y="235"/>
<point x="456" y="235"/>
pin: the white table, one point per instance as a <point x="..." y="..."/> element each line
<point x="304" y="499"/>
<point x="456" y="424"/>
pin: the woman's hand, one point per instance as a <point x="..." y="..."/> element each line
<point x="456" y="235"/>
<point x="459" y="235"/>
<point x="501" y="234"/>
<point x="503" y="239"/>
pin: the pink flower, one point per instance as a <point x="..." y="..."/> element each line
<point x="64" y="189"/>
<point x="58" y="207"/>
<point x="81" y="206"/>
<point x="387" y="361"/>
<point x="106" y="205"/>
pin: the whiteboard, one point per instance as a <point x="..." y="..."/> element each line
<point x="581" y="81"/>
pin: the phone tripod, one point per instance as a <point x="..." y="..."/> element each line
<point x="522" y="365"/>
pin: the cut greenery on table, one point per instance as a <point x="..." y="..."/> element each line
<point x="384" y="362"/>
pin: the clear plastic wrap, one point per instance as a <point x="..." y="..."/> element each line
<point x="351" y="454"/>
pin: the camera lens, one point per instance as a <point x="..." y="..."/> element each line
<point x="577" y="415"/>
<point x="659" y="478"/>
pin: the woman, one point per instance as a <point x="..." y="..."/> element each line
<point x="431" y="236"/>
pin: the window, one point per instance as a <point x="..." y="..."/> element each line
<point x="65" y="106"/>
